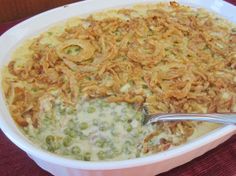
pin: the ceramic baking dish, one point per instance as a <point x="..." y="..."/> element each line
<point x="60" y="166"/>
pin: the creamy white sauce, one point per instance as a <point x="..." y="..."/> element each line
<point x="96" y="130"/>
<point x="101" y="130"/>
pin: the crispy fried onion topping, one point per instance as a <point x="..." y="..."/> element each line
<point x="87" y="50"/>
<point x="170" y="59"/>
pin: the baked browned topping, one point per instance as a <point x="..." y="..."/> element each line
<point x="170" y="58"/>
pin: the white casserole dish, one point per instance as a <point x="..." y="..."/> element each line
<point x="60" y="166"/>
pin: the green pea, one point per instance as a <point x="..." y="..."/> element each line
<point x="70" y="132"/>
<point x="47" y="116"/>
<point x="129" y="120"/>
<point x="114" y="151"/>
<point x="91" y="109"/>
<point x="83" y="125"/>
<point x="34" y="89"/>
<point x="88" y="78"/>
<point x="124" y="110"/>
<point x="137" y="155"/>
<point x="128" y="143"/>
<point x="67" y="131"/>
<point x="233" y="30"/>
<point x="51" y="148"/>
<point x="151" y="143"/>
<point x="69" y="51"/>
<point x="82" y="136"/>
<point x="77" y="49"/>
<point x="100" y="142"/>
<point x="62" y="110"/>
<point x="50" y="33"/>
<point x="117" y="118"/>
<point x="138" y="117"/>
<point x="109" y="154"/>
<point x="114" y="132"/>
<point x="103" y="126"/>
<point x="136" y="135"/>
<point x="87" y="156"/>
<point x="95" y="122"/>
<point x="71" y="124"/>
<point x="109" y="143"/>
<point x="101" y="155"/>
<point x="126" y="150"/>
<point x="26" y="130"/>
<point x="52" y="143"/>
<point x="47" y="122"/>
<point x="75" y="150"/>
<point x="104" y="104"/>
<point x="67" y="141"/>
<point x="50" y="139"/>
<point x="70" y="110"/>
<point x="131" y="82"/>
<point x="66" y="152"/>
<point x="129" y="127"/>
<point x="144" y="86"/>
<point x="79" y="157"/>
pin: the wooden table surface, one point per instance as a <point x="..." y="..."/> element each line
<point x="15" y="9"/>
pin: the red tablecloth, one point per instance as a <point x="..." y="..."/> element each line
<point x="220" y="161"/>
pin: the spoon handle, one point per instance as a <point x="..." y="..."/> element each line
<point x="215" y="118"/>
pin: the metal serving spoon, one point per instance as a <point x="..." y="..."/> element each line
<point x="225" y="118"/>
